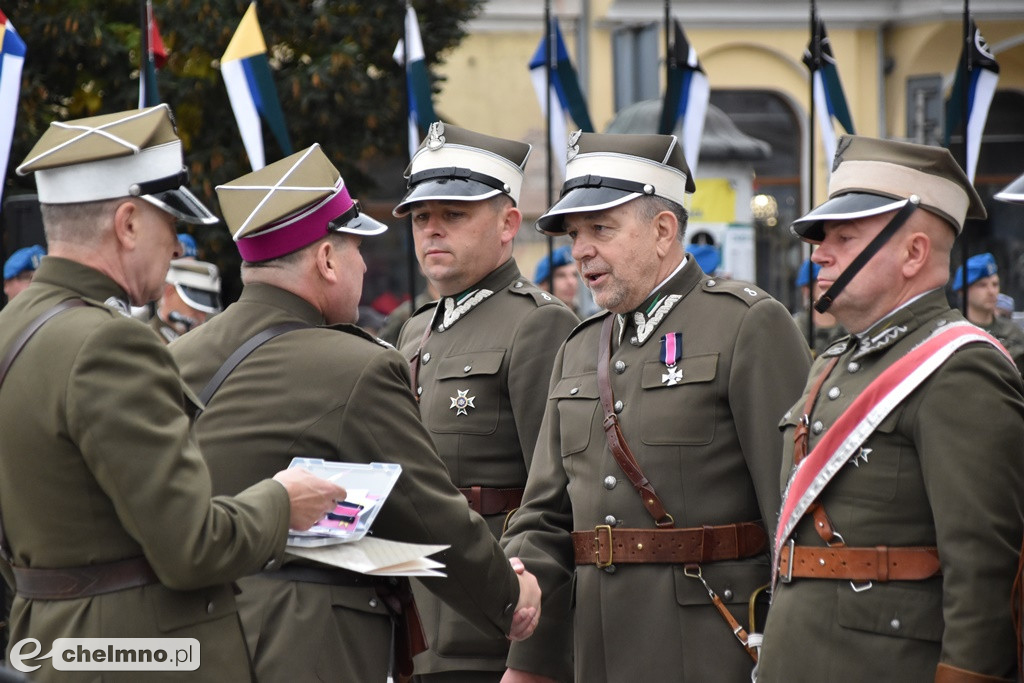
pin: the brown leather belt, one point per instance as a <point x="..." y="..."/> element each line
<point x="68" y="583"/>
<point x="882" y="563"/>
<point x="605" y="545"/>
<point x="487" y="501"/>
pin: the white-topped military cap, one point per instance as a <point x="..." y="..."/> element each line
<point x="197" y="283"/>
<point x="871" y="176"/>
<point x="604" y="171"/>
<point x="128" y="154"/>
<point x="290" y="204"/>
<point x="455" y="164"/>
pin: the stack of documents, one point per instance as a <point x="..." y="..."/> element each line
<point x="340" y="538"/>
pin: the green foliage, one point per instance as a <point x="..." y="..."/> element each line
<point x="332" y="61"/>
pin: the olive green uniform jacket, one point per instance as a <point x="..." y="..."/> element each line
<point x="824" y="337"/>
<point x="710" y="446"/>
<point x="98" y="463"/>
<point x="943" y="469"/>
<point x="337" y="394"/>
<point x="1009" y="335"/>
<point x="497" y="352"/>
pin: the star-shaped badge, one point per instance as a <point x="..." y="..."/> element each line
<point x="672" y="377"/>
<point x="461" y="402"/>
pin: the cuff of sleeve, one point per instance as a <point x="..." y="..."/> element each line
<point x="278" y="512"/>
<point x="548" y="652"/>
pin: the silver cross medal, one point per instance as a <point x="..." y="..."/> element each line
<point x="673" y="376"/>
<point x="462" y="402"/>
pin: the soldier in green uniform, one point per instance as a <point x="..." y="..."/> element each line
<point x="479" y="354"/>
<point x="328" y="389"/>
<point x="191" y="295"/>
<point x="898" y="539"/>
<point x="982" y="295"/>
<point x="108" y="525"/>
<point x="691" y="373"/>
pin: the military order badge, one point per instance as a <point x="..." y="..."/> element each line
<point x="671" y="352"/>
<point x="462" y="403"/>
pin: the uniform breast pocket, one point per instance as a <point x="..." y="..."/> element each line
<point x="467" y="395"/>
<point x="577" y="408"/>
<point x="678" y="408"/>
<point x="875" y="470"/>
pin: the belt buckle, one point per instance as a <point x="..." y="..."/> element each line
<point x="788" y="576"/>
<point x="597" y="546"/>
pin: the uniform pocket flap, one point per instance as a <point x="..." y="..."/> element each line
<point x="892" y="610"/>
<point x="358" y="598"/>
<point x="734" y="582"/>
<point x="687" y="371"/>
<point x="582" y="386"/>
<point x="469" y="364"/>
<point x="178" y="609"/>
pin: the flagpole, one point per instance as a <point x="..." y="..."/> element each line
<point x="552" y="51"/>
<point x="668" y="44"/>
<point x="964" y="92"/>
<point x="410" y="252"/>
<point x="815" y="66"/>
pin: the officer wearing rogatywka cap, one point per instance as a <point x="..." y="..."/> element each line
<point x="191" y="295"/>
<point x="898" y="538"/>
<point x="324" y="388"/>
<point x="982" y="300"/>
<point x="479" y="355"/>
<point x="108" y="523"/>
<point x="19" y="269"/>
<point x="677" y="369"/>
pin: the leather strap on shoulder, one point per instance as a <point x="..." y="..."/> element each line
<point x="617" y="442"/>
<point x="240" y="354"/>
<point x="8" y="360"/>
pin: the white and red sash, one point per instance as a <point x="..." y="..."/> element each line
<point x="866" y="412"/>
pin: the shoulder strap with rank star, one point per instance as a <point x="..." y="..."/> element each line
<point x="863" y="416"/>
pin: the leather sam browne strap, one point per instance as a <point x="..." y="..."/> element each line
<point x="492" y="501"/>
<point x="946" y="673"/>
<point x="242" y="352"/>
<point x="882" y="563"/>
<point x="617" y="442"/>
<point x="604" y="545"/>
<point x="70" y="582"/>
<point x="8" y="360"/>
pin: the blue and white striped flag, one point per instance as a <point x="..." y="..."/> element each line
<point x="829" y="100"/>
<point x="984" y="76"/>
<point x="687" y="95"/>
<point x="566" y="97"/>
<point x="12" y="58"/>
<point x="421" y="105"/>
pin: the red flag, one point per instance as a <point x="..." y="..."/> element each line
<point x="156" y="43"/>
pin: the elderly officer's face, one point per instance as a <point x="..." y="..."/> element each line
<point x="459" y="243"/>
<point x="617" y="255"/>
<point x="876" y="289"/>
<point x="350" y="267"/>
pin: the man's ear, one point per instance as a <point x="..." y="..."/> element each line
<point x="126" y="225"/>
<point x="325" y="261"/>
<point x="666" y="227"/>
<point x="511" y="220"/>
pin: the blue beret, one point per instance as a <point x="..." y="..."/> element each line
<point x="188" y="245"/>
<point x="808" y="271"/>
<point x="706" y="256"/>
<point x="561" y="257"/>
<point x="978" y="266"/>
<point x="24" y="259"/>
